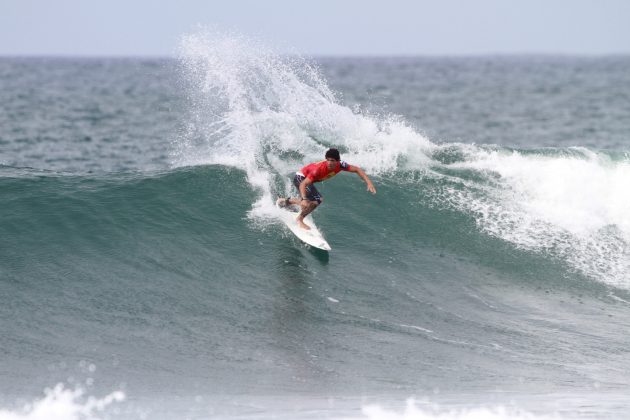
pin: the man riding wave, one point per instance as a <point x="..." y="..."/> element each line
<point x="303" y="180"/>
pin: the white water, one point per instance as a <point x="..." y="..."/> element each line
<point x="60" y="403"/>
<point x="434" y="412"/>
<point x="575" y="207"/>
<point x="250" y="105"/>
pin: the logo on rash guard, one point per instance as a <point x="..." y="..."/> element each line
<point x="343" y="166"/>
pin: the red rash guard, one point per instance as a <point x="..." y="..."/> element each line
<point x="318" y="171"/>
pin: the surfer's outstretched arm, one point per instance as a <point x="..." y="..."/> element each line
<point x="359" y="171"/>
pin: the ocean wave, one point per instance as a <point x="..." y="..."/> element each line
<point x="268" y="115"/>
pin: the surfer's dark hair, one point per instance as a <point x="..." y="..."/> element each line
<point x="333" y="153"/>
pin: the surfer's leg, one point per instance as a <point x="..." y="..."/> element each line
<point x="298" y="201"/>
<point x="285" y="202"/>
<point x="313" y="200"/>
<point x="295" y="200"/>
<point x="307" y="208"/>
<point x="307" y="204"/>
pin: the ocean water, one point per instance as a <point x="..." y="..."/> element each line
<point x="144" y="273"/>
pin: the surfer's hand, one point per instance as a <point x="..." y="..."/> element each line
<point x="370" y="188"/>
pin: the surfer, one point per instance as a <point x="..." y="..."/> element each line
<point x="309" y="197"/>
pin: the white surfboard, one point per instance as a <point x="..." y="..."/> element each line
<point x="312" y="237"/>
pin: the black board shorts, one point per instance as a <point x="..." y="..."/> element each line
<point x="311" y="192"/>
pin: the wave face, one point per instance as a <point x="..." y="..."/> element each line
<point x="476" y="271"/>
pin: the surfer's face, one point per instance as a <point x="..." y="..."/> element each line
<point x="331" y="163"/>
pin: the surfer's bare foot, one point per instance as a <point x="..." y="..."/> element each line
<point x="303" y="225"/>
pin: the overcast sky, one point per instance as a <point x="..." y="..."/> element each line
<point x="319" y="27"/>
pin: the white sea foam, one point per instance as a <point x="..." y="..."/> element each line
<point x="575" y="207"/>
<point x="60" y="403"/>
<point x="413" y="412"/>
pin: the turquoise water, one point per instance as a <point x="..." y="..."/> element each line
<point x="142" y="261"/>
